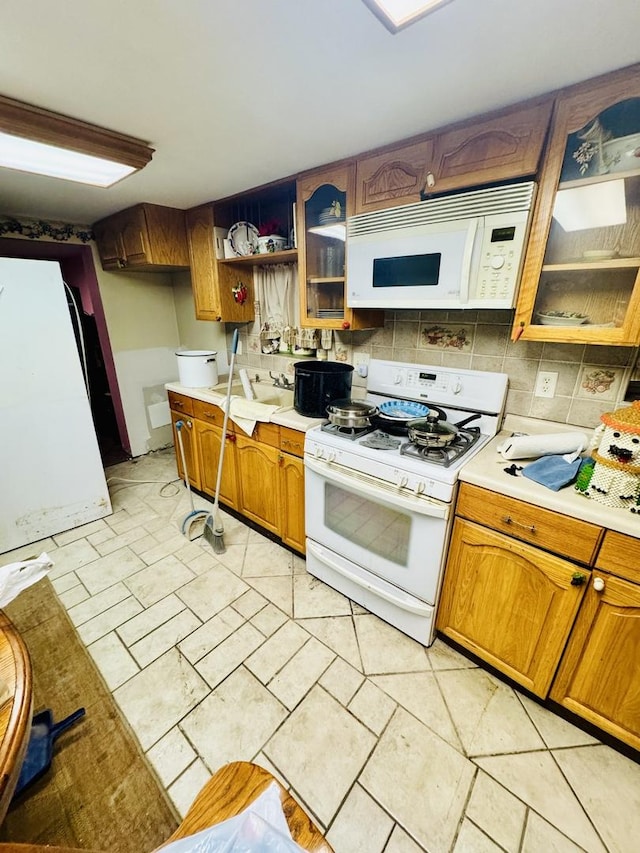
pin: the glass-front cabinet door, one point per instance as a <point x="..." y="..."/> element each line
<point x="581" y="278"/>
<point x="325" y="198"/>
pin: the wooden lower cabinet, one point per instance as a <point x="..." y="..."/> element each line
<point x="510" y="603"/>
<point x="208" y="442"/>
<point x="259" y="482"/>
<point x="599" y="677"/>
<point x="568" y="633"/>
<point x="292" y="529"/>
<point x="189" y="444"/>
<point x="262" y="474"/>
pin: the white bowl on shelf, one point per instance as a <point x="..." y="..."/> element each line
<point x="562" y="318"/>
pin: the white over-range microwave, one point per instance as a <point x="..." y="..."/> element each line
<point x="458" y="251"/>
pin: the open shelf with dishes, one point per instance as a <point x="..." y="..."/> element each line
<point x="286" y="256"/>
<point x="581" y="277"/>
<point x="257" y="227"/>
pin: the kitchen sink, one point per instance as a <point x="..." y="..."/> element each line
<point x="264" y="392"/>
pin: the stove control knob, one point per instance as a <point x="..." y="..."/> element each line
<point x="420" y="488"/>
<point x="457" y="386"/>
<point x="397" y="380"/>
<point x="319" y="453"/>
<point x="403" y="482"/>
<point x="331" y="457"/>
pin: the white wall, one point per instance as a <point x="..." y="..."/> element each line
<point x="197" y="334"/>
<point x="141" y="319"/>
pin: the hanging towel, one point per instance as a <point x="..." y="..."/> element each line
<point x="246" y="413"/>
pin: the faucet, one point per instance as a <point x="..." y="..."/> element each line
<point x="281" y="381"/>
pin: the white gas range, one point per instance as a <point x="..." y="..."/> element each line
<point x="379" y="508"/>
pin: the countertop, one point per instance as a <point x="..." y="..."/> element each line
<point x="487" y="469"/>
<point x="287" y="417"/>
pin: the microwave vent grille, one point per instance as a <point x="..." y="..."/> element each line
<point x="486" y="202"/>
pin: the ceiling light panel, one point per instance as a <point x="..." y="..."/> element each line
<point x="41" y="142"/>
<point x="397" y="14"/>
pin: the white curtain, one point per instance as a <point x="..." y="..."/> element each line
<point x="277" y="294"/>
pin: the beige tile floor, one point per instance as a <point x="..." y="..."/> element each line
<point x="244" y="656"/>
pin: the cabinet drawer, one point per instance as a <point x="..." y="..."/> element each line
<point x="620" y="555"/>
<point x="267" y="434"/>
<point x="180" y="403"/>
<point x="292" y="441"/>
<point x="569" y="537"/>
<point x="210" y="413"/>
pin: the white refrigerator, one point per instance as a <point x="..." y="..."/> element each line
<point x="51" y="474"/>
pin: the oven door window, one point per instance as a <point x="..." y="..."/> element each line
<point x="397" y="537"/>
<point x="380" y="529"/>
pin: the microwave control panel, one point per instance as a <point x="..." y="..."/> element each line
<point x="499" y="260"/>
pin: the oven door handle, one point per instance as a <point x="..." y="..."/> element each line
<point x="378" y="491"/>
<point x="397" y="601"/>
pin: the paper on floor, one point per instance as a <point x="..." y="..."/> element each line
<point x="15" y="577"/>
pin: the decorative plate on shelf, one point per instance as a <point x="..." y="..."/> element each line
<point x="243" y="237"/>
<point x="403" y="409"/>
<point x="562" y="318"/>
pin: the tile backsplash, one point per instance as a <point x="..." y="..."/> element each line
<point x="591" y="379"/>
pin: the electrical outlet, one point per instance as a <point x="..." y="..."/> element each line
<point x="546" y="384"/>
<point x="361" y="363"/>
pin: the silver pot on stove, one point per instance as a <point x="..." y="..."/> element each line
<point x="434" y="431"/>
<point x="352" y="414"/>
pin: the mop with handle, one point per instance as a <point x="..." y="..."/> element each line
<point x="213" y="526"/>
<point x="192" y="524"/>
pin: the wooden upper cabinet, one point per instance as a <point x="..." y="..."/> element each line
<point x="146" y="238"/>
<point x="393" y="177"/>
<point x="213" y="284"/>
<point x="499" y="147"/>
<point x="581" y="273"/>
<point x="325" y="199"/>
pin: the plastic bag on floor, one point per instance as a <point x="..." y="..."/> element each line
<point x="260" y="828"/>
<point x="16" y="577"/>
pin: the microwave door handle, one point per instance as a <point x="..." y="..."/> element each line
<point x="467" y="257"/>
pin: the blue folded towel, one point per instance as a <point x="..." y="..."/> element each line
<point x="554" y="472"/>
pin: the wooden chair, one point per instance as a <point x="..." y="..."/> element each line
<point x="227" y="793"/>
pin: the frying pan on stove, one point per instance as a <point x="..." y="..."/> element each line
<point x="434" y="431"/>
<point x="393" y="416"/>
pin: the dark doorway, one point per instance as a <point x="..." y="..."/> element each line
<point x="94" y="348"/>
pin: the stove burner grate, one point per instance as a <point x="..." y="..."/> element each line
<point x="346" y="432"/>
<point x="381" y="440"/>
<point x="444" y="456"/>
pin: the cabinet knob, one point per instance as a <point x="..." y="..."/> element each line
<point x="431" y="180"/>
<point x="578" y="578"/>
<point x="598" y="584"/>
<point x="346" y="325"/>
